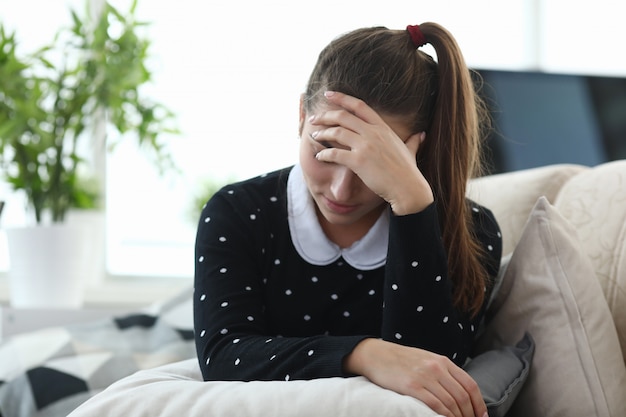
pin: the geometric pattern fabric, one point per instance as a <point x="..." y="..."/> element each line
<point x="48" y="373"/>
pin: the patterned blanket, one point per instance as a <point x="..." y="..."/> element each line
<point x="48" y="373"/>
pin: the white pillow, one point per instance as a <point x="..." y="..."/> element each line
<point x="550" y="290"/>
<point x="178" y="390"/>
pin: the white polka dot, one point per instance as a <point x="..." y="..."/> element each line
<point x="286" y="377"/>
<point x="346" y="314"/>
<point x="273" y="199"/>
<point x="489" y="247"/>
<point x="201" y="259"/>
<point x="334" y="296"/>
<point x="236" y="341"/>
<point x="224" y="331"/>
<point x="372" y="292"/>
<point x="224" y="304"/>
<point x="398" y="336"/>
<point x="445" y="319"/>
<point x="253" y="217"/>
<point x="203" y="297"/>
<point x="454" y="356"/>
<point x="223" y="270"/>
<point x="272" y="357"/>
<point x="268" y="340"/>
<point x="231" y="192"/>
<point x="307" y="317"/>
<point x="248" y="288"/>
<point x="277" y="262"/>
<point x="288" y="292"/>
<point x="222" y="239"/>
<point x="414" y="264"/>
<point x="207" y="219"/>
<point x="499" y="234"/>
<point x="475" y="209"/>
<point x="420" y="309"/>
<point x="250" y="318"/>
<point x="340" y="263"/>
<point x="438" y="278"/>
<point x="208" y="360"/>
<point x="310" y="352"/>
<point x="472" y="327"/>
<point x="237" y="361"/>
<point x="359" y="276"/>
<point x="314" y="279"/>
<point x="461" y="326"/>
<point x="394" y="287"/>
<point x="202" y="333"/>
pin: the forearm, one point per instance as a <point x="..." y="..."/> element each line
<point x="247" y="358"/>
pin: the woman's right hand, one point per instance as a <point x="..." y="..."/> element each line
<point x="433" y="379"/>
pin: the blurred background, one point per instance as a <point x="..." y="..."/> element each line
<point x="555" y="75"/>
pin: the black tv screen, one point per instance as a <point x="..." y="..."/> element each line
<point x="545" y="118"/>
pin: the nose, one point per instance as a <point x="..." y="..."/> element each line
<point x="344" y="184"/>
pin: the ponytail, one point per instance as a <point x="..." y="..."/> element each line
<point x="451" y="156"/>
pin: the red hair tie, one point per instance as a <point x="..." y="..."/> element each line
<point x="417" y="36"/>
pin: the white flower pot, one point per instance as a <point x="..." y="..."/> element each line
<point x="49" y="265"/>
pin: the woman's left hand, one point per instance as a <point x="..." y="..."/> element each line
<point x="373" y="150"/>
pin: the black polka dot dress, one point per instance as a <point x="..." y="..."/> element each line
<point x="274" y="299"/>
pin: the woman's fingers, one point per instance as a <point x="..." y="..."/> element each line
<point x="448" y="383"/>
<point x="446" y="404"/>
<point x="433" y="399"/>
<point x="470" y="388"/>
<point x="461" y="399"/>
<point x="353" y="105"/>
<point x="414" y="142"/>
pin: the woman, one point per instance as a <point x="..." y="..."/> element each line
<point x="365" y="258"/>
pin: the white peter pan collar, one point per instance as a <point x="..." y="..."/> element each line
<point x="311" y="242"/>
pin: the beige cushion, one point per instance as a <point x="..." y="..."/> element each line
<point x="512" y="195"/>
<point x="595" y="203"/>
<point x="549" y="290"/>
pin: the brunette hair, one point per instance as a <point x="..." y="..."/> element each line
<point x="385" y="69"/>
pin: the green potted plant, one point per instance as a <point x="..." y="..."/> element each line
<point x="51" y="101"/>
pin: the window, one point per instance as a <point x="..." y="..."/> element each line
<point x="233" y="73"/>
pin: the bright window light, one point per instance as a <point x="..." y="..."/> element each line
<point x="233" y="73"/>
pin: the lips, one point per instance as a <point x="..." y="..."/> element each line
<point x="340" y="208"/>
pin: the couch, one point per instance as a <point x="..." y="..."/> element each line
<point x="562" y="283"/>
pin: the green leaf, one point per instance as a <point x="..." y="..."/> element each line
<point x="48" y="106"/>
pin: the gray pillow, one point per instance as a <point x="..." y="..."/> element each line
<point x="501" y="373"/>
